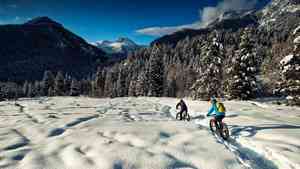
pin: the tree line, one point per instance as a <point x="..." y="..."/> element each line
<point x="220" y="64"/>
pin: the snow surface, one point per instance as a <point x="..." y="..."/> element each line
<point x="133" y="133"/>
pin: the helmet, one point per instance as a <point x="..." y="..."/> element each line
<point x="213" y="99"/>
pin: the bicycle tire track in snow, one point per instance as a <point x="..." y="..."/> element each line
<point x="246" y="156"/>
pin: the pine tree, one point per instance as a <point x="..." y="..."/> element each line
<point x="132" y="87"/>
<point x="141" y="85"/>
<point x="99" y="84"/>
<point x="86" y="87"/>
<point x="2" y="98"/>
<point x="59" y="85"/>
<point x="290" y="74"/>
<point x="170" y="90"/>
<point x="51" y="92"/>
<point x="48" y="82"/>
<point x="75" y="88"/>
<point x="25" y="88"/>
<point x="156" y="73"/>
<point x="242" y="83"/>
<point x="37" y="89"/>
<point x="30" y="90"/>
<point x="211" y="73"/>
<point x="121" y="84"/>
<point x="67" y="84"/>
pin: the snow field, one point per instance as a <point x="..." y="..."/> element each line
<point x="133" y="133"/>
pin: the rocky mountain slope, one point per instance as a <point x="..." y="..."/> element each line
<point x="27" y="50"/>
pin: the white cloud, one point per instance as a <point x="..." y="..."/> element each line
<point x="160" y="31"/>
<point x="207" y="15"/>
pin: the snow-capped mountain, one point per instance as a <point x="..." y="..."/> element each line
<point x="122" y="45"/>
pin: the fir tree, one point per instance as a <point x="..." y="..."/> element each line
<point x="290" y="74"/>
<point x="75" y="88"/>
<point x="210" y="81"/>
<point x="30" y="91"/>
<point x="25" y="88"/>
<point x="141" y="85"/>
<point x="156" y="73"/>
<point x="132" y="87"/>
<point x="51" y="92"/>
<point x="99" y="84"/>
<point x="67" y="84"/>
<point x="37" y="89"/>
<point x="121" y="84"/>
<point x="48" y="82"/>
<point x="59" y="85"/>
<point x="242" y="83"/>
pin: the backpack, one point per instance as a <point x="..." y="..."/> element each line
<point x="221" y="108"/>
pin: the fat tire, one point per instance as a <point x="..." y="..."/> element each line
<point x="211" y="123"/>
<point x="224" y="132"/>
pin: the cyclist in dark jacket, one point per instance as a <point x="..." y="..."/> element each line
<point x="183" y="109"/>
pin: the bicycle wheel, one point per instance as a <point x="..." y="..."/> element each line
<point x="177" y="116"/>
<point x="212" y="125"/>
<point x="188" y="117"/>
<point x="224" y="131"/>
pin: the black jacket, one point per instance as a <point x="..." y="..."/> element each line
<point x="182" y="106"/>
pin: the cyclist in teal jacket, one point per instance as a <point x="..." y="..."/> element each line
<point x="219" y="116"/>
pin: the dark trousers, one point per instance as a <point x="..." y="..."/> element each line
<point x="219" y="121"/>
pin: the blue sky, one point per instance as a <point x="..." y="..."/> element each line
<point x="140" y="20"/>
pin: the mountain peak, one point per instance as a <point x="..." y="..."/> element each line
<point x="44" y="20"/>
<point x="121" y="45"/>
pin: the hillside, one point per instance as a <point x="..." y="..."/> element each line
<point x="29" y="49"/>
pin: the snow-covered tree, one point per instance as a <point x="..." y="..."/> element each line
<point x="67" y="83"/>
<point x="51" y="92"/>
<point x="121" y="84"/>
<point x="99" y="84"/>
<point x="59" y="84"/>
<point x="290" y="74"/>
<point x="132" y="87"/>
<point x="25" y="88"/>
<point x="211" y="74"/>
<point x="48" y="82"/>
<point x="242" y="83"/>
<point x="75" y="88"/>
<point x="141" y="84"/>
<point x="37" y="89"/>
<point x="156" y="73"/>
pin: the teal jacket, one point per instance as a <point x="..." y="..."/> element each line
<point x="214" y="110"/>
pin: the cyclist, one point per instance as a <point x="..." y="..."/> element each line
<point x="217" y="109"/>
<point x="183" y="108"/>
